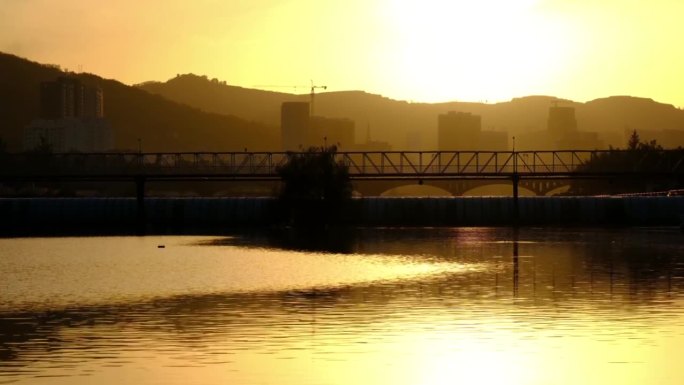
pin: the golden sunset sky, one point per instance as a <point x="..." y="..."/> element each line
<point x="419" y="50"/>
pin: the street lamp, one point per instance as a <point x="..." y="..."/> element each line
<point x="515" y="170"/>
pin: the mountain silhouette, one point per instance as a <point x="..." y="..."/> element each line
<point x="159" y="123"/>
<point x="195" y="113"/>
<point x="620" y="112"/>
<point x="401" y="122"/>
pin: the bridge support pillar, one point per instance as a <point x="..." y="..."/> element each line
<point x="141" y="218"/>
<point x="516" y="207"/>
<point x="516" y="262"/>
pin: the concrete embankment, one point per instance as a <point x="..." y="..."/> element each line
<point x="182" y="214"/>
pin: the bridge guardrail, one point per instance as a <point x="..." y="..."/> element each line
<point x="361" y="164"/>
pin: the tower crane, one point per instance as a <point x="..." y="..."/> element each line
<point x="313" y="88"/>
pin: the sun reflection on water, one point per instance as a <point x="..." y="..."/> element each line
<point x="400" y="306"/>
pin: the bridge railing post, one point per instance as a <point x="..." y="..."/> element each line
<point x="515" y="180"/>
<point x="515" y="162"/>
<point x="516" y="203"/>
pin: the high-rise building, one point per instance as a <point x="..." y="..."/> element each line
<point x="69" y="134"/>
<point x="458" y="131"/>
<point x="294" y="125"/>
<point x="69" y="98"/>
<point x="563" y="133"/>
<point x="561" y="121"/>
<point x="62" y="98"/>
<point x="462" y="131"/>
<point x="71" y="118"/>
<point x="93" y="103"/>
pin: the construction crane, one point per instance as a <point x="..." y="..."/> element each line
<point x="313" y="88"/>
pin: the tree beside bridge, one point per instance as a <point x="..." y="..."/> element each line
<point x="315" y="188"/>
<point x="652" y="169"/>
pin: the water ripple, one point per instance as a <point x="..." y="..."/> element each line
<point x="590" y="299"/>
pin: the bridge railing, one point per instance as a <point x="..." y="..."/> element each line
<point x="492" y="163"/>
<point x="361" y="164"/>
<point x="428" y="163"/>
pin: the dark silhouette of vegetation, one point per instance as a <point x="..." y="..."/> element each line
<point x="315" y="187"/>
<point x="635" y="144"/>
<point x="647" y="162"/>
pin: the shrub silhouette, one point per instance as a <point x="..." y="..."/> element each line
<point x="315" y="187"/>
<point x="639" y="157"/>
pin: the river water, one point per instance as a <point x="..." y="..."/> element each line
<point x="365" y="306"/>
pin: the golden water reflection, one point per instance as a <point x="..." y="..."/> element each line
<point x="574" y="306"/>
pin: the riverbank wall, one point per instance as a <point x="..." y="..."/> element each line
<point x="183" y="214"/>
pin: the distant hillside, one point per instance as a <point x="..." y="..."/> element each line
<point x="161" y="124"/>
<point x="414" y="125"/>
<point x="218" y="97"/>
<point x="620" y="112"/>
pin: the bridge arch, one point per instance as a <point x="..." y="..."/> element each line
<point x="459" y="187"/>
<point x="417" y="189"/>
<point x="497" y="189"/>
<point x="558" y="190"/>
<point x="544" y="187"/>
<point x="450" y="187"/>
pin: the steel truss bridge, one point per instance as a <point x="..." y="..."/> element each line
<point x="543" y="169"/>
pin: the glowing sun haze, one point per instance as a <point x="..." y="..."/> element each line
<point x="421" y="50"/>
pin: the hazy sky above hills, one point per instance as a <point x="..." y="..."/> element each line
<point x="421" y="50"/>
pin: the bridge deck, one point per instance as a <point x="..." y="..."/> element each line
<point x="361" y="165"/>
